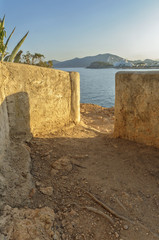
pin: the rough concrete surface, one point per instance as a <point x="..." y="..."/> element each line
<point x="137" y="107"/>
<point x="41" y="98"/>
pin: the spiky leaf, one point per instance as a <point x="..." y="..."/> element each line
<point x="2" y="22"/>
<point x="18" y="56"/>
<point x="6" y="44"/>
<point x="15" y="50"/>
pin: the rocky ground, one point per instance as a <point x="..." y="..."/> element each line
<point x="88" y="185"/>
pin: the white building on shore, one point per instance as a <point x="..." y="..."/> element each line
<point x="123" y="63"/>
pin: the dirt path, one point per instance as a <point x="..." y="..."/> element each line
<point x="84" y="159"/>
<point x="122" y="174"/>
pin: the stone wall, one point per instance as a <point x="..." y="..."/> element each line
<point x="33" y="101"/>
<point x="137" y="107"/>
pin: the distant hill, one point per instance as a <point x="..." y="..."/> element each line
<point x="55" y="62"/>
<point x="104" y="61"/>
<point x="86" y="61"/>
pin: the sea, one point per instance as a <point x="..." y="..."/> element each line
<point x="97" y="86"/>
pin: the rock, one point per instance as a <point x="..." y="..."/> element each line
<point x="28" y="223"/>
<point x="56" y="236"/>
<point x="116" y="235"/>
<point x="63" y="236"/>
<point x="46" y="190"/>
<point x="126" y="227"/>
<point x="62" y="163"/>
<point x="37" y="183"/>
<point x="64" y="177"/>
<point x="72" y="212"/>
<point x="64" y="223"/>
<point x="53" y="172"/>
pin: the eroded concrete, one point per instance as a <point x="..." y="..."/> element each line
<point x="137" y="107"/>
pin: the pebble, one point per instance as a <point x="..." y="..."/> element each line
<point x="56" y="236"/>
<point x="64" y="223"/>
<point x="54" y="172"/>
<point x="116" y="235"/>
<point x="47" y="190"/>
<point x="72" y="212"/>
<point x="126" y="227"/>
<point x="37" y="183"/>
<point x="63" y="236"/>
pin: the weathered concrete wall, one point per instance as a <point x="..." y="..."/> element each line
<point x="36" y="101"/>
<point x="52" y="97"/>
<point x="15" y="177"/>
<point x="137" y="107"/>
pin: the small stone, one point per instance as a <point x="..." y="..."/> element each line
<point x="116" y="235"/>
<point x="126" y="227"/>
<point x="72" y="212"/>
<point x="62" y="163"/>
<point x="46" y="154"/>
<point x="56" y="236"/>
<point x="64" y="177"/>
<point x="63" y="236"/>
<point x="54" y="172"/>
<point x="64" y="223"/>
<point x="37" y="184"/>
<point x="47" y="157"/>
<point x="47" y="190"/>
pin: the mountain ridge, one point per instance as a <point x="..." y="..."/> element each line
<point x="86" y="61"/>
<point x="108" y="58"/>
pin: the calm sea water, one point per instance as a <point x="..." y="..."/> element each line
<point x="97" y="85"/>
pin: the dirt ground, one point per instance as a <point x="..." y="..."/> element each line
<point x="100" y="188"/>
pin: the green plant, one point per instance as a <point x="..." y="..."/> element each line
<point x="3" y="47"/>
<point x="2" y="36"/>
<point x="36" y="59"/>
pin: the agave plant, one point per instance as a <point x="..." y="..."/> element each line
<point x="3" y="47"/>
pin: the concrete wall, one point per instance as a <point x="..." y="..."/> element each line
<point x="39" y="100"/>
<point x="33" y="101"/>
<point x="137" y="107"/>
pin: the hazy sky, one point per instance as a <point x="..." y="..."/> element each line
<point x="64" y="29"/>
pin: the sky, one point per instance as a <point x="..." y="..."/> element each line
<point x="65" y="29"/>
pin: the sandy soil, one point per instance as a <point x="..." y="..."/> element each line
<point x="79" y="163"/>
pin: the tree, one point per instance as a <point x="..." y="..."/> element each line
<point x="27" y="58"/>
<point x="35" y="59"/>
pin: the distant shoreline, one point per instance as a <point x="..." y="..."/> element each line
<point x="111" y="67"/>
<point x="107" y="60"/>
<point x="123" y="67"/>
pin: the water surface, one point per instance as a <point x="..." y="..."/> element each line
<point x="98" y="85"/>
